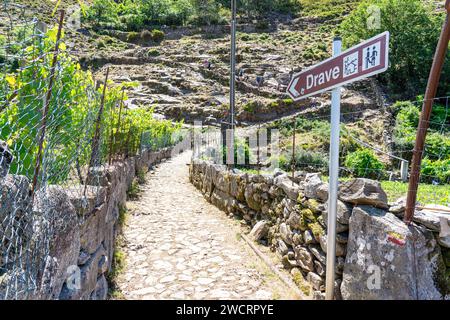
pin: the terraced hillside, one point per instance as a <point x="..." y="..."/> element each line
<point x="184" y="74"/>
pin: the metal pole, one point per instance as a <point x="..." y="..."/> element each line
<point x="116" y="137"/>
<point x="98" y="122"/>
<point x="47" y="105"/>
<point x="233" y="73"/>
<point x="430" y="94"/>
<point x="293" y="151"/>
<point x="111" y="138"/>
<point x="334" y="176"/>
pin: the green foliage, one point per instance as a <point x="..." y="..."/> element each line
<point x="427" y="194"/>
<point x="157" y="35"/>
<point x="240" y="145"/>
<point x="414" y="28"/>
<point x="407" y="120"/>
<point x="134" y="190"/>
<point x="129" y="15"/>
<point x="327" y="9"/>
<point x="141" y="176"/>
<point x="72" y="111"/>
<point x="153" y="53"/>
<point x="364" y="164"/>
<point x="257" y="8"/>
<point x="315" y="161"/>
<point x="437" y="171"/>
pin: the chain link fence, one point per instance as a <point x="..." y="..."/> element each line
<point x="58" y="128"/>
<point x="376" y="143"/>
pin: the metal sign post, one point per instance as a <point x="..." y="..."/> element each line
<point x="232" y="76"/>
<point x="334" y="176"/>
<point x="359" y="62"/>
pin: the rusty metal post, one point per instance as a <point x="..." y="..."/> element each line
<point x="127" y="144"/>
<point x="96" y="139"/>
<point x="258" y="154"/>
<point x="111" y="136"/>
<point x="116" y="137"/>
<point x="48" y="97"/>
<point x="293" y="150"/>
<point x="430" y="94"/>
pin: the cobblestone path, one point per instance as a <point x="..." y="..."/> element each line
<point x="178" y="246"/>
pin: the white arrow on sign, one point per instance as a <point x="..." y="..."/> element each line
<point x="362" y="61"/>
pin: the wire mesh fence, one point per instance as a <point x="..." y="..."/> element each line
<point x="58" y="128"/>
<point x="376" y="144"/>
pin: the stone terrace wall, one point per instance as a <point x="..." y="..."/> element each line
<point x="83" y="232"/>
<point x="378" y="256"/>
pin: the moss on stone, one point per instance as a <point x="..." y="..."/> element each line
<point x="308" y="215"/>
<point x="316" y="229"/>
<point x="303" y="224"/>
<point x="313" y="205"/>
<point x="300" y="281"/>
<point x="301" y="198"/>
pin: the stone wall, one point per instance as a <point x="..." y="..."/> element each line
<point x="79" y="235"/>
<point x="377" y="255"/>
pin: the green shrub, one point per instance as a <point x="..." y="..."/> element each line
<point x="71" y="114"/>
<point x="131" y="15"/>
<point x="407" y="119"/>
<point x="146" y="35"/>
<point x="132" y="36"/>
<point x="398" y="106"/>
<point x="364" y="164"/>
<point x="134" y="191"/>
<point x="262" y="25"/>
<point x="435" y="171"/>
<point x="157" y="35"/>
<point x="304" y="159"/>
<point x="327" y="9"/>
<point x="153" y="53"/>
<point x="437" y="144"/>
<point x="240" y="144"/>
<point x="415" y="28"/>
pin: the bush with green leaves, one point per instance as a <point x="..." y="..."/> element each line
<point x="327" y="9"/>
<point x="130" y="15"/>
<point x="364" y="163"/>
<point x="437" y="144"/>
<point x="73" y="109"/>
<point x="241" y="151"/>
<point x="306" y="160"/>
<point x="435" y="171"/>
<point x="415" y="27"/>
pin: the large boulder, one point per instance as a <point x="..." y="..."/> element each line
<point x="388" y="260"/>
<point x="363" y="192"/>
<point x="93" y="228"/>
<point x="237" y="186"/>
